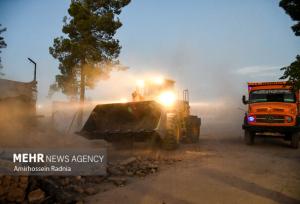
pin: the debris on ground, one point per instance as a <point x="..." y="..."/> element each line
<point x="13" y="188"/>
<point x="133" y="166"/>
<point x="72" y="189"/>
<point x="37" y="196"/>
<point x="118" y="181"/>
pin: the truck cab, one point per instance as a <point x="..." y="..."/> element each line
<point x="273" y="110"/>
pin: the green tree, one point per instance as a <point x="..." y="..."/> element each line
<point x="2" y="44"/>
<point x="88" y="49"/>
<point x="292" y="8"/>
<point x="292" y="72"/>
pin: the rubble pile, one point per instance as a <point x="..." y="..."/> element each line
<point x="119" y="172"/>
<point x="72" y="189"/>
<point x="47" y="189"/>
<point x="13" y="188"/>
<point x="133" y="167"/>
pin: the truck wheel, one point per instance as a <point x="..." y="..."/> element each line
<point x="295" y="140"/>
<point x="287" y="137"/>
<point x="249" y="137"/>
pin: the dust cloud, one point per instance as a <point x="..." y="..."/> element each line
<point x="21" y="128"/>
<point x="220" y="110"/>
<point x="217" y="118"/>
<point x="216" y="100"/>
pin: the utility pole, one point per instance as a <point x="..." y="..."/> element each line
<point x="34" y="74"/>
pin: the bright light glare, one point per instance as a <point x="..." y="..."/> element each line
<point x="158" y="80"/>
<point x="123" y="100"/>
<point x="167" y="98"/>
<point x="39" y="106"/>
<point x="140" y="83"/>
<point x="251" y="119"/>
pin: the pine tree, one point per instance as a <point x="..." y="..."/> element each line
<point x="88" y="49"/>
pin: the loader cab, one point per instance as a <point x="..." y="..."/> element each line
<point x="152" y="88"/>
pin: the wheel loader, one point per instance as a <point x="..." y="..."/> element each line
<point x="155" y="115"/>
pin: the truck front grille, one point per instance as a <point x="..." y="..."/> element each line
<point x="269" y="119"/>
<point x="272" y="109"/>
<point x="262" y="110"/>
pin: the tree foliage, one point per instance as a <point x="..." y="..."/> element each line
<point x="88" y="49"/>
<point x="292" y="8"/>
<point x="2" y="44"/>
<point x="292" y="73"/>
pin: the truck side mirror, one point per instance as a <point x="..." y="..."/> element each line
<point x="244" y="100"/>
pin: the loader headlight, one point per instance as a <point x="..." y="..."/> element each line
<point x="158" y="80"/>
<point x="140" y="83"/>
<point x="123" y="100"/>
<point x="167" y="98"/>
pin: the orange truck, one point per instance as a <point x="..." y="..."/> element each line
<point x="273" y="110"/>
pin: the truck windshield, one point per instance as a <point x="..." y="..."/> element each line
<point x="272" y="95"/>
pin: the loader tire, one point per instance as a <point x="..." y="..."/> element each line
<point x="153" y="141"/>
<point x="249" y="137"/>
<point x="171" y="141"/>
<point x="196" y="136"/>
<point x="193" y="129"/>
<point x="295" y="140"/>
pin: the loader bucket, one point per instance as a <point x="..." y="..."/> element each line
<point x="116" y="121"/>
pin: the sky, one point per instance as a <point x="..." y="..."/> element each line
<point x="210" y="47"/>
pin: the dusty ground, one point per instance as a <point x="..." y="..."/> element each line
<point x="220" y="169"/>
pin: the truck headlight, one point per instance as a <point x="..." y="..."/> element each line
<point x="251" y="119"/>
<point x="289" y="119"/>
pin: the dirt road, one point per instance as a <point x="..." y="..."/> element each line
<point x="220" y="169"/>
